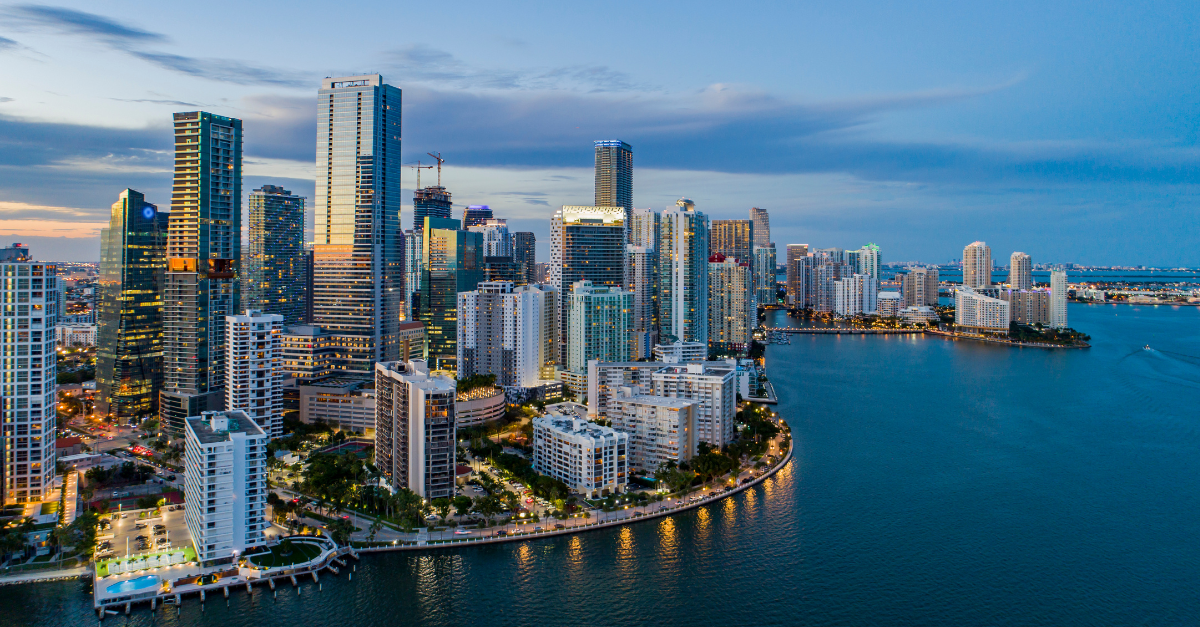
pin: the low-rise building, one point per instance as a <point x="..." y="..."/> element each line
<point x="225" y="485"/>
<point x="592" y="460"/>
<point x="344" y="403"/>
<point x="76" y="334"/>
<point x="72" y="445"/>
<point x="480" y="405"/>
<point x="889" y="304"/>
<point x="661" y="429"/>
<point x="920" y="314"/>
<point x="681" y="352"/>
<point x="974" y="312"/>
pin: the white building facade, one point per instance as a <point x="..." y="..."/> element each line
<point x="225" y="485"/>
<point x="500" y="332"/>
<point x="1058" y="299"/>
<point x="592" y="460"/>
<point x="713" y="385"/>
<point x="254" y="368"/>
<point x="661" y="429"/>
<point x="415" y="428"/>
<point x="979" y="313"/>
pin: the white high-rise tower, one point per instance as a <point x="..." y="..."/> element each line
<point x="977" y="265"/>
<point x="254" y="367"/>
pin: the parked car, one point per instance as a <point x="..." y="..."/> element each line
<point x="560" y="526"/>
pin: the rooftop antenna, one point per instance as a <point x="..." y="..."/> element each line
<point x="440" y="161"/>
<point x="420" y="167"/>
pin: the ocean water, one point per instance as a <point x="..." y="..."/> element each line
<point x="935" y="483"/>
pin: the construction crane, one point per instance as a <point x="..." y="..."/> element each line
<point x="440" y="161"/>
<point x="420" y="167"/>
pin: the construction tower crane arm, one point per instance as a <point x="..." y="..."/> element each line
<point x="440" y="161"/>
<point x="420" y="167"/>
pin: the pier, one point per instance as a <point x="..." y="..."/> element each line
<point x="830" y="331"/>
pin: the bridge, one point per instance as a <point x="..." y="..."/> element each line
<point x="816" y="331"/>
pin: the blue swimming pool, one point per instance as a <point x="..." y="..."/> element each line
<point x="133" y="585"/>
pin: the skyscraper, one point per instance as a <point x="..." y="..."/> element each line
<point x="683" y="274"/>
<point x="1020" y="271"/>
<point x="225" y="466"/>
<point x="600" y="325"/>
<point x="254" y="382"/>
<point x="1058" y="299"/>
<point x="133" y="252"/>
<point x="525" y="255"/>
<point x="500" y="332"/>
<point x="204" y="248"/>
<point x="794" y="252"/>
<point x="31" y="294"/>
<point x="644" y="228"/>
<point x="614" y="177"/>
<point x="358" y="255"/>
<point x="920" y="287"/>
<point x="453" y="261"/>
<point x="732" y="315"/>
<point x="586" y="243"/>
<point x="413" y="249"/>
<point x="765" y="291"/>
<point x="475" y="215"/>
<point x="869" y="261"/>
<point x="496" y="240"/>
<point x="762" y="227"/>
<point x="274" y="279"/>
<point x="430" y="202"/>
<point x="732" y="238"/>
<point x="977" y="265"/>
<point x="415" y="427"/>
<point x="641" y="279"/>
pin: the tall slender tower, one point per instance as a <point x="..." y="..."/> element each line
<point x="453" y="263"/>
<point x="795" y="252"/>
<point x="683" y="274"/>
<point x="204" y="247"/>
<point x="1058" y="299"/>
<point x="762" y="227"/>
<point x="1020" y="271"/>
<point x="869" y="261"/>
<point x="430" y="202"/>
<point x="614" y="177"/>
<point x="524" y="255"/>
<point x="732" y="238"/>
<point x="358" y="255"/>
<point x="255" y="374"/>
<point x="129" y="348"/>
<point x="977" y="265"/>
<point x="274" y="279"/>
<point x="586" y="243"/>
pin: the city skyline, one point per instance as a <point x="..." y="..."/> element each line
<point x="871" y="156"/>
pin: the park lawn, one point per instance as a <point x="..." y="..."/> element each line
<point x="49" y="508"/>
<point x="43" y="558"/>
<point x="301" y="552"/>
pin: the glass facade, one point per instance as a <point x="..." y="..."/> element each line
<point x="524" y="255"/>
<point x="683" y="274"/>
<point x="453" y="263"/>
<point x="430" y="202"/>
<point x="129" y="317"/>
<point x="614" y="176"/>
<point x="586" y="244"/>
<point x="274" y="279"/>
<point x="204" y="246"/>
<point x="358" y="251"/>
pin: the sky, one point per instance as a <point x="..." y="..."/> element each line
<point x="1066" y="130"/>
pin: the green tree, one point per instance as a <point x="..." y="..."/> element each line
<point x="442" y="507"/>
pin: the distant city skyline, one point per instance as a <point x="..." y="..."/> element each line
<point x="919" y="129"/>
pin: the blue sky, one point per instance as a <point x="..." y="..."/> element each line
<point x="1066" y="131"/>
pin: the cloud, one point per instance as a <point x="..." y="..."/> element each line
<point x="5" y="99"/>
<point x="177" y="103"/>
<point x="132" y="41"/>
<point x="8" y="44"/>
<point x="423" y="64"/>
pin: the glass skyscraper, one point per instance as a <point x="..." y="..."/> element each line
<point x="430" y="202"/>
<point x="204" y="246"/>
<point x="524" y="255"/>
<point x="453" y="263"/>
<point x="683" y="274"/>
<point x="614" y="176"/>
<point x="475" y="215"/>
<point x="586" y="244"/>
<point x="129" y="320"/>
<point x="732" y="238"/>
<point x="358" y="250"/>
<point x="274" y="278"/>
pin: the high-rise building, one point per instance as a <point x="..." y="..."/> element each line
<point x="825" y="272"/>
<point x="683" y="274"/>
<point x="869" y="261"/>
<point x="453" y="261"/>
<point x="855" y="294"/>
<point x="225" y="495"/>
<point x="889" y="304"/>
<point x="133" y="254"/>
<point x="255" y="369"/>
<point x="501" y="269"/>
<point x="765" y="290"/>
<point x="794" y="252"/>
<point x="977" y="265"/>
<point x="974" y="312"/>
<point x="600" y="325"/>
<point x="713" y="385"/>
<point x="586" y="244"/>
<point x="644" y="228"/>
<point x="475" y="215"/>
<point x="500" y="333"/>
<point x="614" y="178"/>
<point x="307" y="353"/>
<point x="412" y="269"/>
<point x="204" y="245"/>
<point x="1028" y="306"/>
<point x="415" y="428"/>
<point x="430" y="202"/>
<point x="762" y="227"/>
<point x="412" y="340"/>
<point x="525" y="255"/>
<point x="732" y="238"/>
<point x="732" y="314"/>
<point x="496" y="240"/>
<point x="308" y="282"/>
<point x="1058" y="299"/>
<point x="274" y="278"/>
<point x="641" y="279"/>
<point x="1020" y="271"/>
<point x="358" y="253"/>
<point x="591" y="459"/>
<point x="920" y="287"/>
<point x="31" y="296"/>
<point x="661" y="429"/>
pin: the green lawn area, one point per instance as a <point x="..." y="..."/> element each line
<point x="301" y="552"/>
<point x="43" y="558"/>
<point x="49" y="508"/>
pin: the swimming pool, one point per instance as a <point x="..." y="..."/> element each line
<point x="133" y="585"/>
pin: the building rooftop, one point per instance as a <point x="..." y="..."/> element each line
<point x="567" y="410"/>
<point x="215" y="426"/>
<point x="341" y="383"/>
<point x="408" y="326"/>
<point x="658" y="401"/>
<point x="576" y="426"/>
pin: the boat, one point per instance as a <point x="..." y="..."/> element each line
<point x="1146" y="347"/>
